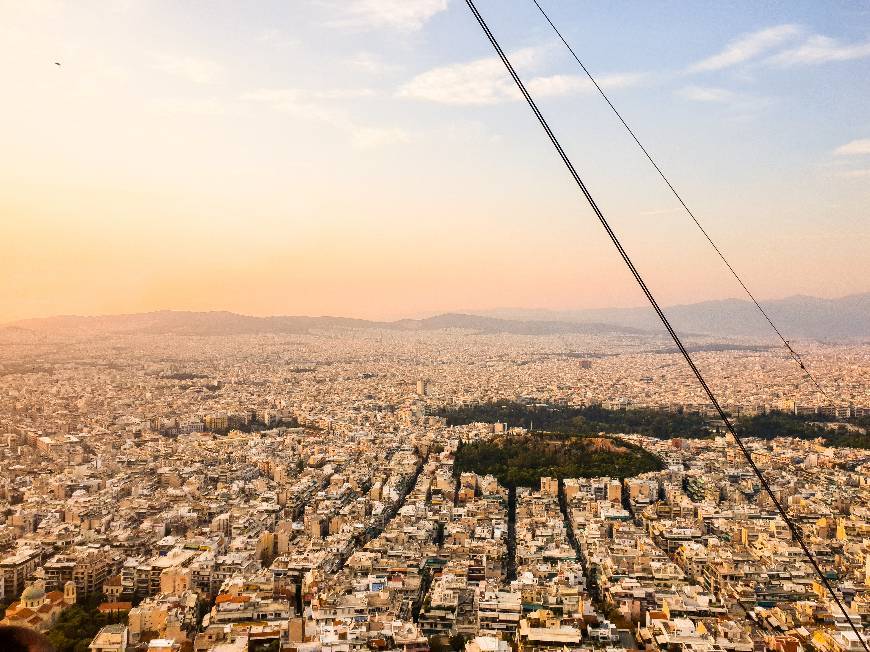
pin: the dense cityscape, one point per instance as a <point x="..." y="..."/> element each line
<point x="169" y="493"/>
<point x="434" y="326"/>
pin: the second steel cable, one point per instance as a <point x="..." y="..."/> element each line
<point x="792" y="352"/>
<point x="795" y="531"/>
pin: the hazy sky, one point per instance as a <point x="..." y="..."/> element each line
<point x="371" y="158"/>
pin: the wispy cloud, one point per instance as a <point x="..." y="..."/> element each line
<point x="782" y="46"/>
<point x="371" y="63"/>
<point x="193" y="69"/>
<point x="849" y="160"/>
<point x="748" y="47"/>
<point x="556" y="85"/>
<point x="295" y="96"/>
<point x="860" y="147"/>
<point x="371" y="137"/>
<point x="405" y="15"/>
<point x="210" y="107"/>
<point x="706" y="94"/>
<point x="485" y="81"/>
<point x="742" y="106"/>
<point x="855" y="174"/>
<point x="482" y="81"/>
<point x="318" y="106"/>
<point x="276" y="39"/>
<point x="821" y="49"/>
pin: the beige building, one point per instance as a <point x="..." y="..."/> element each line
<point x="111" y="638"/>
<point x="37" y="609"/>
<point x="16" y="569"/>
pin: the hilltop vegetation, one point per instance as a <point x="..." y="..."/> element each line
<point x="522" y="461"/>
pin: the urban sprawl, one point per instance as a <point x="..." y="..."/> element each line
<point x="297" y="493"/>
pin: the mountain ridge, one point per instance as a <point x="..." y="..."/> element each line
<point x="798" y="316"/>
<point x="229" y="323"/>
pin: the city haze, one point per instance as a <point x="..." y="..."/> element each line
<point x="375" y="162"/>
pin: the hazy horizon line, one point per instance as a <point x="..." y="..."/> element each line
<point x="419" y="315"/>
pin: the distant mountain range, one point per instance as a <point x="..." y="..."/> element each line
<point x="847" y="318"/>
<point x="229" y="323"/>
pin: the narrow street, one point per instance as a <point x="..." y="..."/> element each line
<point x="511" y="569"/>
<point x="374" y="530"/>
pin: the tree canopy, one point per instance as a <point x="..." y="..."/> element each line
<point x="76" y="626"/>
<point x="523" y="461"/>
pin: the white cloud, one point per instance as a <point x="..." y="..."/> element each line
<point x="36" y="9"/>
<point x="371" y="137"/>
<point x="405" y="15"/>
<point x="193" y="69"/>
<point x="748" y="47"/>
<point x="189" y="106"/>
<point x="318" y="106"/>
<point x="485" y="81"/>
<point x="859" y="147"/>
<point x="740" y="106"/>
<point x="276" y="39"/>
<point x="371" y="63"/>
<point x="821" y="49"/>
<point x="555" y="85"/>
<point x="814" y="48"/>
<point x="705" y="94"/>
<point x="855" y="174"/>
<point x="620" y="80"/>
<point x="297" y="96"/>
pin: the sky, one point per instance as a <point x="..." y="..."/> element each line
<point x="370" y="158"/>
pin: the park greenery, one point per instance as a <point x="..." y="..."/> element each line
<point x="595" y="419"/>
<point x="588" y="420"/>
<point x="784" y="424"/>
<point x="522" y="461"/>
<point x="76" y="626"/>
